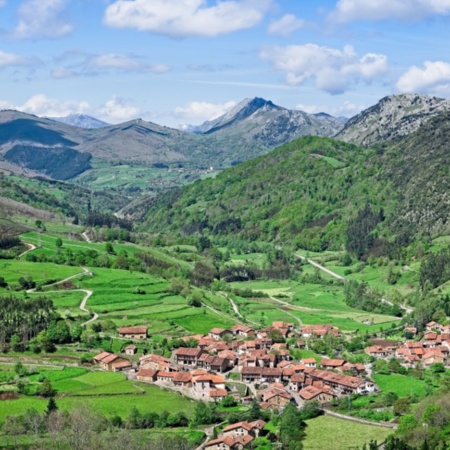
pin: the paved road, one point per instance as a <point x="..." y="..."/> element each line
<point x="407" y="309"/>
<point x="324" y="269"/>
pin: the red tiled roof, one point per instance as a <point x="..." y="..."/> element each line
<point x="109" y="359"/>
<point x="133" y="330"/>
<point x="147" y="373"/>
<point x="101" y="356"/>
<point x="184" y="351"/>
<point x="182" y="377"/>
<point x="121" y="364"/>
<point x="162" y="374"/>
<point x="218" y="393"/>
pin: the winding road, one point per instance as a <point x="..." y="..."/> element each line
<point x="87" y="293"/>
<point x="405" y="308"/>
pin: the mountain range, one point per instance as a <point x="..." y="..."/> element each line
<point x="81" y="120"/>
<point x="252" y="128"/>
<point x="310" y="192"/>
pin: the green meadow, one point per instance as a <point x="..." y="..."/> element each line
<point x="401" y="385"/>
<point x="108" y="393"/>
<point x="330" y="433"/>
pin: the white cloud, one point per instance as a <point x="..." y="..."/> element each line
<point x="201" y="111"/>
<point x="42" y="19"/>
<point x="334" y="71"/>
<point x="115" y="61"/>
<point x="285" y="26"/>
<point x="127" y="63"/>
<point x="11" y="59"/>
<point x="114" y="110"/>
<point x="347" y="109"/>
<point x="434" y="78"/>
<point x="62" y="72"/>
<point x="82" y="63"/>
<point x="118" y="109"/>
<point x="183" y="18"/>
<point x="405" y="10"/>
<point x="41" y="105"/>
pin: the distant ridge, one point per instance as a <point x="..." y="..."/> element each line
<point x="251" y="129"/>
<point x="81" y="121"/>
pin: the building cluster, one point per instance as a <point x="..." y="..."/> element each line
<point x="237" y="436"/>
<point x="263" y="367"/>
<point x="433" y="347"/>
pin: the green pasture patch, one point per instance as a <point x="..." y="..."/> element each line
<point x="152" y="400"/>
<point x="201" y="323"/>
<point x="101" y="378"/>
<point x="70" y="385"/>
<point x="12" y="270"/>
<point x="58" y="375"/>
<point x="330" y="433"/>
<point x="122" y="387"/>
<point x="402" y="385"/>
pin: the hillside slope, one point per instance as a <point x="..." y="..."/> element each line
<point x="303" y="192"/>
<point x="310" y="192"/>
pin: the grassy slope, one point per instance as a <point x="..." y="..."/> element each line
<point x="329" y="433"/>
<point x="109" y="393"/>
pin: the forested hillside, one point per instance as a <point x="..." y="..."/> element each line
<point x="319" y="193"/>
<point x="304" y="192"/>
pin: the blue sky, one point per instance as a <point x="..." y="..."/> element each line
<point x="178" y="62"/>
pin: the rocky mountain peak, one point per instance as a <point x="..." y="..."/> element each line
<point x="392" y="117"/>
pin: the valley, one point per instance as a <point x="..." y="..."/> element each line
<point x="177" y="300"/>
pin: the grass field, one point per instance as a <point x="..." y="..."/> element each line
<point x="12" y="270"/>
<point x="108" y="393"/>
<point x="330" y="433"/>
<point x="400" y="384"/>
<point x="311" y="304"/>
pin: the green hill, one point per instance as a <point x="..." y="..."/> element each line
<point x="319" y="193"/>
<point x="304" y="192"/>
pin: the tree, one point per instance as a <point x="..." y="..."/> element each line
<point x="402" y="406"/>
<point x="3" y="283"/>
<point x="229" y="401"/>
<point x="291" y="428"/>
<point x="51" y="406"/>
<point x="255" y="412"/>
<point x="109" y="248"/>
<point x="46" y="389"/>
<point x="59" y="332"/>
<point x="58" y="242"/>
<point x="20" y="369"/>
<point x="16" y="344"/>
<point x="14" y="427"/>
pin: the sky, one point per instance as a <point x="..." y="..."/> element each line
<point x="178" y="62"/>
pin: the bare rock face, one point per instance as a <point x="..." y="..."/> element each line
<point x="392" y="117"/>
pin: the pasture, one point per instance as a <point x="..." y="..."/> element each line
<point x="330" y="433"/>
<point x="402" y="385"/>
<point x="108" y="393"/>
<point x="307" y="303"/>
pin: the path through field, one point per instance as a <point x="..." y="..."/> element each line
<point x="85" y="236"/>
<point x="407" y="309"/>
<point x="31" y="247"/>
<point x="87" y="292"/>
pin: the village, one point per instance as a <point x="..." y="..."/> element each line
<point x="265" y="370"/>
